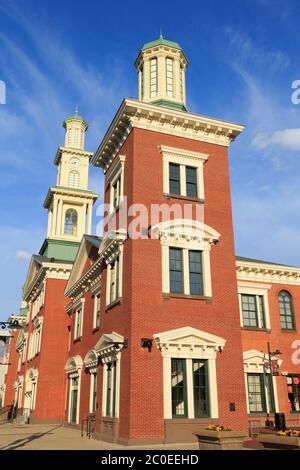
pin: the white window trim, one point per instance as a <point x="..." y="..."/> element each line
<point x="117" y="360"/>
<point x="96" y="293"/>
<point x="189" y="343"/>
<point x="188" y="235"/>
<point x="79" y="305"/>
<point x="257" y="362"/>
<point x="73" y="368"/>
<point x="249" y="288"/>
<point x="116" y="172"/>
<point x="183" y="158"/>
<point x="93" y="373"/>
<point x="118" y="254"/>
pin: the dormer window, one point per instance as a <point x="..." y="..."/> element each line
<point x="153" y="77"/>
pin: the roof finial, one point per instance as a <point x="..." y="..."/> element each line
<point x="76" y="110"/>
<point x="160" y="35"/>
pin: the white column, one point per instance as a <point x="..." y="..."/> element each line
<point x="189" y="387"/>
<point x="165" y="269"/>
<point x="59" y="217"/>
<point x="186" y="277"/>
<point x="89" y="225"/>
<point x="49" y="229"/>
<point x="54" y="219"/>
<point x="182" y="180"/>
<point x="207" y="274"/>
<point x="167" y="388"/>
<point x="213" y="391"/>
<point x="146" y="80"/>
<point x="176" y="81"/>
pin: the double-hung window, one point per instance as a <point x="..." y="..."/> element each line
<point x="174" y="179"/>
<point x="96" y="321"/>
<point x="114" y="280"/>
<point x="78" y="322"/>
<point x="185" y="271"/>
<point x="110" y="389"/>
<point x="195" y="377"/>
<point x="115" y="178"/>
<point x="183" y="173"/>
<point x="253" y="311"/>
<point x="287" y="319"/>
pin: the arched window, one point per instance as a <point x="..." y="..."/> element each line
<point x="71" y="222"/>
<point x="287" y="319"/>
<point x="73" y="179"/>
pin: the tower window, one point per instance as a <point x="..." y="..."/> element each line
<point x="169" y="76"/>
<point x="73" y="179"/>
<point x="71" y="222"/>
<point x="153" y="77"/>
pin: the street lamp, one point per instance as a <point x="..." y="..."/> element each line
<point x="271" y="354"/>
<point x="12" y="325"/>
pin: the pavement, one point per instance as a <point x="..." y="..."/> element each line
<point x="58" y="437"/>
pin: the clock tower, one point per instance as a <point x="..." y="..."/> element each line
<point x="69" y="202"/>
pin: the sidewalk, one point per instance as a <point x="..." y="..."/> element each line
<point x="57" y="437"/>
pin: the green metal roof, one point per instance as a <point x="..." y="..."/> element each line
<point x="161" y="41"/>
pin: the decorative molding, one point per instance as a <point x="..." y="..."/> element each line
<point x="179" y="153"/>
<point x="264" y="272"/>
<point x="74" y="366"/>
<point x="189" y="342"/>
<point x="71" y="152"/>
<point x="110" y="245"/>
<point x="86" y="281"/>
<point x="135" y="114"/>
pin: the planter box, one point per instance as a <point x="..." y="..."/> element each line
<point x="221" y="440"/>
<point x="273" y="441"/>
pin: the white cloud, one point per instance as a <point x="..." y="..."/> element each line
<point x="23" y="254"/>
<point x="286" y="138"/>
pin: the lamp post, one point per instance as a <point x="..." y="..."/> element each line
<point x="270" y="355"/>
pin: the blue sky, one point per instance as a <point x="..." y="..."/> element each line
<point x="243" y="56"/>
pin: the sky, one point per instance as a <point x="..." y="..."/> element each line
<point x="243" y="56"/>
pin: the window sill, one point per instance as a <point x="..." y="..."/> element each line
<point x="76" y="340"/>
<point x="170" y="295"/>
<point x="95" y="329"/>
<point x="288" y="331"/>
<point x="112" y="304"/>
<point x="185" y="198"/>
<point x="249" y="328"/>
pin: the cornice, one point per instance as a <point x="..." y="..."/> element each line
<point x="49" y="270"/>
<point x="264" y="272"/>
<point x="72" y="193"/>
<point x="136" y="114"/>
<point x="71" y="151"/>
<point x="85" y="282"/>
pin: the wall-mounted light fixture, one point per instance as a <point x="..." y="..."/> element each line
<point x="147" y="343"/>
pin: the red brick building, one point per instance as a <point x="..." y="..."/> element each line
<point x="161" y="328"/>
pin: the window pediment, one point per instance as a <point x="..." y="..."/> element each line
<point x="185" y="231"/>
<point x="73" y="366"/>
<point x="190" y="341"/>
<point x="258" y="361"/>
